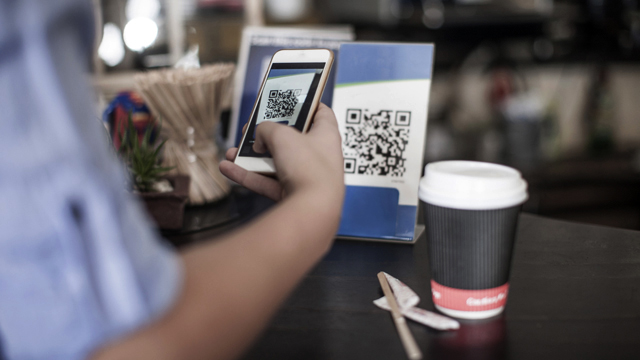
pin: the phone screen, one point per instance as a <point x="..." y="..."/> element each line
<point x="286" y="98"/>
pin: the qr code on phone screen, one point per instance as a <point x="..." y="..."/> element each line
<point x="281" y="103"/>
<point x="375" y="142"/>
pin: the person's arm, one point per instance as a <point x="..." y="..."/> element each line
<point x="234" y="285"/>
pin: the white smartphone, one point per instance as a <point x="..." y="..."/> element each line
<point x="289" y="94"/>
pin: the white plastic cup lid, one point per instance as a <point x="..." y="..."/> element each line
<point x="472" y="185"/>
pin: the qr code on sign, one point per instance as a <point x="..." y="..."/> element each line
<point x="281" y="103"/>
<point x="375" y="142"/>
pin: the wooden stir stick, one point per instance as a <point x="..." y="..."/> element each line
<point x="409" y="343"/>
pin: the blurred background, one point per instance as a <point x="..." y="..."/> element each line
<point x="551" y="87"/>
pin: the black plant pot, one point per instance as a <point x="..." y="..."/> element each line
<point x="167" y="209"/>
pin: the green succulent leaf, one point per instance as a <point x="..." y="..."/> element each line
<point x="142" y="156"/>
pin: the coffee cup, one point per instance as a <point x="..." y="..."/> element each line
<point x="471" y="215"/>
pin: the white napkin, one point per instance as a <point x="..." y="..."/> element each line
<point x="407" y="300"/>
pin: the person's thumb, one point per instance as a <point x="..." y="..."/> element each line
<point x="267" y="133"/>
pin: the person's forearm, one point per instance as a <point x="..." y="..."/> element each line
<point x="233" y="286"/>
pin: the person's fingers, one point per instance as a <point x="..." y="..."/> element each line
<point x="260" y="184"/>
<point x="324" y="118"/>
<point x="266" y="133"/>
<point x="244" y="128"/>
<point x="325" y="127"/>
<point x="231" y="154"/>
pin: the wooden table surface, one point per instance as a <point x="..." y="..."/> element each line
<point x="574" y="294"/>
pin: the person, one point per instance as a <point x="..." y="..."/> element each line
<point x="82" y="273"/>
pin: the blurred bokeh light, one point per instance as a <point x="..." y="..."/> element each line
<point x="111" y="49"/>
<point x="140" y="33"/>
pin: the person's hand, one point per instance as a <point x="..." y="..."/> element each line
<point x="304" y="162"/>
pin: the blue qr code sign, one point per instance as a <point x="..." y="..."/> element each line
<point x="375" y="142"/>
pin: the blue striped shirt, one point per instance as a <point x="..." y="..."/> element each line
<point x="79" y="262"/>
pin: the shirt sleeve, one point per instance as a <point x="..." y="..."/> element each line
<point x="79" y="262"/>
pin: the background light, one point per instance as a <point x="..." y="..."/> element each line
<point x="142" y="8"/>
<point x="287" y="10"/>
<point x="140" y="33"/>
<point x="111" y="49"/>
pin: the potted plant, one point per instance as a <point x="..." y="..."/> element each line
<point x="164" y="195"/>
